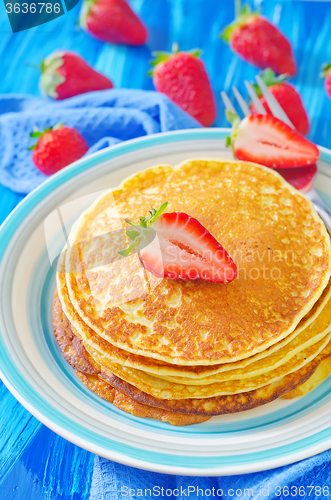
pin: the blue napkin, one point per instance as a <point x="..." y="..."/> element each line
<point x="309" y="478"/>
<point x="103" y="118"/>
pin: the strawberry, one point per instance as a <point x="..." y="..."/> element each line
<point x="259" y="42"/>
<point x="175" y="245"/>
<point x="65" y="74"/>
<point x="301" y="178"/>
<point x="182" y="77"/>
<point x="266" y="140"/>
<point x="112" y="21"/>
<point x="56" y="148"/>
<point x="288" y="98"/>
<point x="326" y="73"/>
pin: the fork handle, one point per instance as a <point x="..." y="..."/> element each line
<point x="320" y="207"/>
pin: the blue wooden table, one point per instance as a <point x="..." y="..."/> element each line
<point x="34" y="462"/>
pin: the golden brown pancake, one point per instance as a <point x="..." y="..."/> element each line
<point x="261" y="221"/>
<point x="165" y="389"/>
<point x="196" y="373"/>
<point x="321" y="373"/>
<point x="78" y="358"/>
<point x="127" y="397"/>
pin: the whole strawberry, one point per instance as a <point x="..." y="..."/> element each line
<point x="56" y="148"/>
<point x="65" y="74"/>
<point x="288" y="98"/>
<point x="259" y="42"/>
<point x="112" y="21"/>
<point x="326" y="73"/>
<point x="182" y="77"/>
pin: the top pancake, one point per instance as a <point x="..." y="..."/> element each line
<point x="272" y="232"/>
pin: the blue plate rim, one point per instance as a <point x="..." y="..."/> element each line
<point x="12" y="224"/>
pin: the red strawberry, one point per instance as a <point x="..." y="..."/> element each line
<point x="182" y="77"/>
<point x="288" y="98"/>
<point x="266" y="140"/>
<point x="301" y="178"/>
<point x="56" y="148"/>
<point x="326" y="73"/>
<point x="259" y="42"/>
<point x="65" y="74"/>
<point x="112" y="21"/>
<point x="175" y="245"/>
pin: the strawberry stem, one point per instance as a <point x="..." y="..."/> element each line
<point x="34" y="65"/>
<point x="175" y="47"/>
<point x="237" y="8"/>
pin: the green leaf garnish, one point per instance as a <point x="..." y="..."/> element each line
<point x="141" y="231"/>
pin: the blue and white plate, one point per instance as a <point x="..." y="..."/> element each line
<point x="34" y="370"/>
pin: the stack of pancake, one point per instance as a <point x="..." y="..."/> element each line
<point x="182" y="351"/>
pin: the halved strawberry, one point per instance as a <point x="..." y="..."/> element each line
<point x="175" y="245"/>
<point x="266" y="140"/>
<point x="301" y="178"/>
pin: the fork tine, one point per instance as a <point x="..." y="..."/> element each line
<point x="243" y="105"/>
<point x="256" y="101"/>
<point x="227" y="103"/>
<point x="273" y="104"/>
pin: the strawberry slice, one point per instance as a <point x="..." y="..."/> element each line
<point x="266" y="140"/>
<point x="301" y="178"/>
<point x="175" y="245"/>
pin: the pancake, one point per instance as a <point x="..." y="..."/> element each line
<point x="321" y="373"/>
<point x="261" y="221"/>
<point x="165" y="389"/>
<point x="77" y="357"/>
<point x="221" y="405"/>
<point x="128" y="398"/>
<point x="195" y="373"/>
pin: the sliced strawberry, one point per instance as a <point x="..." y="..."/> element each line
<point x="175" y="245"/>
<point x="266" y="140"/>
<point x="301" y="178"/>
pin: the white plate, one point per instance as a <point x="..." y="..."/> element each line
<point x="34" y="370"/>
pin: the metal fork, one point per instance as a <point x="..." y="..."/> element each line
<point x="279" y="113"/>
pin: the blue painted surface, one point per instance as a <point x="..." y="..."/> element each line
<point x="34" y="462"/>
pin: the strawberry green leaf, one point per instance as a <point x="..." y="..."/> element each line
<point x="228" y="141"/>
<point x="37" y="133"/>
<point x="85" y="10"/>
<point x="269" y="77"/>
<point x="132" y="234"/>
<point x="143" y="230"/>
<point x="242" y="16"/>
<point x="175" y="48"/>
<point x="195" y="52"/>
<point x="128" y="250"/>
<point x="158" y="212"/>
<point x="50" y="78"/>
<point x="325" y="69"/>
<point x="233" y="118"/>
<point x="161" y="57"/>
